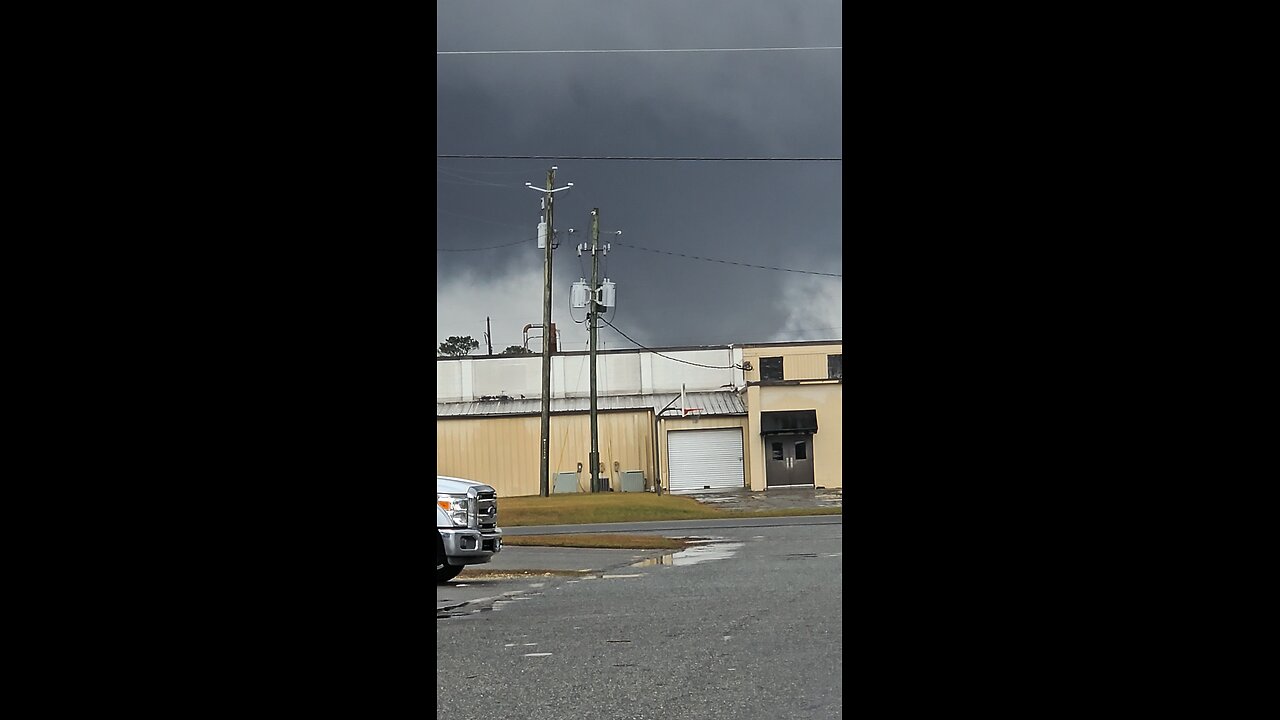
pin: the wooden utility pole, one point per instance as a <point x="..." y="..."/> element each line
<point x="544" y="471"/>
<point x="598" y="297"/>
<point x="592" y="316"/>
<point x="546" y="236"/>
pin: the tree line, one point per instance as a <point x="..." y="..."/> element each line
<point x="459" y="345"/>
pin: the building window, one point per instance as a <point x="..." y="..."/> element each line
<point x="835" y="367"/>
<point x="770" y="368"/>
<point x="801" y="451"/>
<point x="777" y="451"/>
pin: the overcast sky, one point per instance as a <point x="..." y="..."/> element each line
<point x="704" y="104"/>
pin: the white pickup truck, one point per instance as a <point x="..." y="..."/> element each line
<point x="466" y="525"/>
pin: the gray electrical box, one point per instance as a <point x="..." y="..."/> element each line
<point x="566" y="482"/>
<point x="633" y="481"/>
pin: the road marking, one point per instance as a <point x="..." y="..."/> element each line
<point x="608" y="577"/>
<point x="536" y="654"/>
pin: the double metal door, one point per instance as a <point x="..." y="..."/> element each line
<point x="788" y="460"/>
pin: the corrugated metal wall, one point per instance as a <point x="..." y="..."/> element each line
<point x="804" y="367"/>
<point x="504" y="452"/>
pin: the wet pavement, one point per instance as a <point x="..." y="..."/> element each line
<point x="776" y="498"/>
<point x="519" y="568"/>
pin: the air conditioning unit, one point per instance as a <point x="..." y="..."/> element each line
<point x="632" y="481"/>
<point x="566" y="482"/>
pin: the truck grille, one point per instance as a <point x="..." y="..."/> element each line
<point x="487" y="509"/>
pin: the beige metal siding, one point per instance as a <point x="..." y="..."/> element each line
<point x="804" y="367"/>
<point x="492" y="450"/>
<point x="504" y="451"/>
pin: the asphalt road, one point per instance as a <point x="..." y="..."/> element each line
<point x="523" y="564"/>
<point x="746" y="625"/>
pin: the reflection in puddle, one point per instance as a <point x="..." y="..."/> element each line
<point x="694" y="554"/>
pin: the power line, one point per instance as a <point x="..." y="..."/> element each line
<point x="727" y="262"/>
<point x="655" y="352"/>
<point x="480" y="219"/>
<point x="473" y="181"/>
<point x="491" y="247"/>
<point x="636" y="50"/>
<point x="483" y="172"/>
<point x="658" y="158"/>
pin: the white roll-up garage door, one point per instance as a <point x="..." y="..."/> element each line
<point x="704" y="459"/>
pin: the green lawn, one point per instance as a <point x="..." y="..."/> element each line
<point x="584" y="508"/>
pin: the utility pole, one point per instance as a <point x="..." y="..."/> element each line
<point x="546" y="237"/>
<point x="599" y="295"/>
<point x="592" y="314"/>
<point x="488" y="334"/>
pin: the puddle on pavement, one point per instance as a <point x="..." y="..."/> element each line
<point x="694" y="554"/>
<point x="713" y="500"/>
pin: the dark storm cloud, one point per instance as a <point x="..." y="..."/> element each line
<point x="774" y="214"/>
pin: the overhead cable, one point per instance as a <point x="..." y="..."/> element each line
<point x="655" y="352"/>
<point x="727" y="262"/>
<point x="491" y="247"/>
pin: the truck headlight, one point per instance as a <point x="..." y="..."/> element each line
<point x="456" y="507"/>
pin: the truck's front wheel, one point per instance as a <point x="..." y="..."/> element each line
<point x="444" y="571"/>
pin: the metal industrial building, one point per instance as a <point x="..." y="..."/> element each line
<point x="682" y="419"/>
